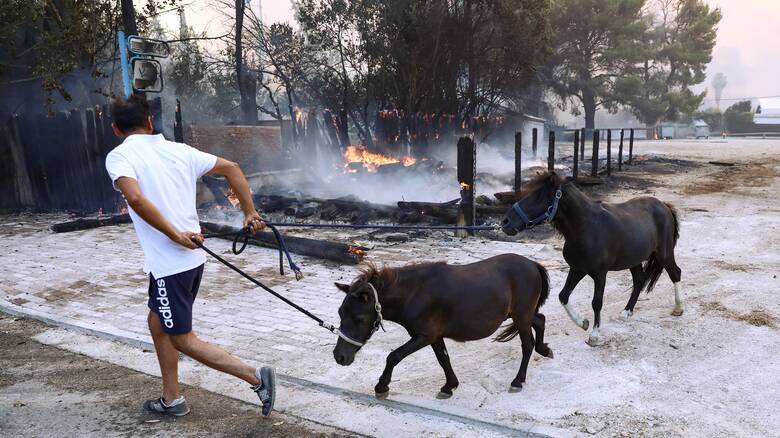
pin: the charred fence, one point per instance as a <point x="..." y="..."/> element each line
<point x="57" y="163"/>
<point x="580" y="137"/>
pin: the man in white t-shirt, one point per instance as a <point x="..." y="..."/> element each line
<point x="157" y="178"/>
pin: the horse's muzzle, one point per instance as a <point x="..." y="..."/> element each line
<point x="344" y="354"/>
<point x="510" y="227"/>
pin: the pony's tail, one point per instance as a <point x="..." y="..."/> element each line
<point x="676" y="218"/>
<point x="545" y="286"/>
<point x="652" y="270"/>
<point x="510" y="331"/>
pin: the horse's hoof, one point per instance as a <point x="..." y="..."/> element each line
<point x="443" y="395"/>
<point x="585" y="324"/>
<point x="382" y="395"/>
<point x="677" y="312"/>
<point x="625" y="314"/>
<point x="594" y="341"/>
<point x="513" y="389"/>
<point x="550" y="354"/>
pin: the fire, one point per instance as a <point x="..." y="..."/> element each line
<point x="357" y="251"/>
<point x="370" y="160"/>
<point x="464" y="186"/>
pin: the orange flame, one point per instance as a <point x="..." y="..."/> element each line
<point x="371" y="160"/>
<point x="357" y="251"/>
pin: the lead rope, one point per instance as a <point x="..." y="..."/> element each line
<point x="246" y="234"/>
<point x="320" y="322"/>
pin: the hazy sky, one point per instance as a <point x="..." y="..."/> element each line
<point x="747" y="51"/>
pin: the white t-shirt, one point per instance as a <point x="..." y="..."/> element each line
<point x="166" y="173"/>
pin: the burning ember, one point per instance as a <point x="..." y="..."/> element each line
<point x="356" y="250"/>
<point x="370" y="160"/>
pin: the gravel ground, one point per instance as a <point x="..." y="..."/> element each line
<point x="45" y="391"/>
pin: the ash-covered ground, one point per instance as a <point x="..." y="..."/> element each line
<point x="711" y="372"/>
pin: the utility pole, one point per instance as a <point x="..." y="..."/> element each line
<point x="128" y="18"/>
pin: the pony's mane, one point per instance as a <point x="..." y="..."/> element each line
<point x="385" y="277"/>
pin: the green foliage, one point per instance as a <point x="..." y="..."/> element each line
<point x="712" y="116"/>
<point x="469" y="57"/>
<point x="597" y="44"/>
<point x="59" y="51"/>
<point x="739" y="117"/>
<point x="677" y="48"/>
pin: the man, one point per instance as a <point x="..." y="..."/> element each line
<point x="157" y="179"/>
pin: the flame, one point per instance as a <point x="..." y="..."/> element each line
<point x="370" y="160"/>
<point x="123" y="210"/>
<point x="357" y="251"/>
<point x="231" y="196"/>
<point x="464" y="186"/>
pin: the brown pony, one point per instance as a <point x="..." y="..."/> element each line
<point x="434" y="301"/>
<point x="639" y="235"/>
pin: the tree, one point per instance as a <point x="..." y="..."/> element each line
<point x="676" y="50"/>
<point x="434" y="56"/>
<point x="739" y="117"/>
<point x="60" y="54"/>
<point x="247" y="84"/>
<point x="713" y="117"/>
<point x="597" y="44"/>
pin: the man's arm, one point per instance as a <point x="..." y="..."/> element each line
<point x="149" y="212"/>
<point x="237" y="181"/>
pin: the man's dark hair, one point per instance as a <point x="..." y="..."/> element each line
<point x="130" y="113"/>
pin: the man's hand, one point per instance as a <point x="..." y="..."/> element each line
<point x="253" y="220"/>
<point x="188" y="239"/>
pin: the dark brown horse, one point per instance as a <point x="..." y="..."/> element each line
<point x="639" y="234"/>
<point x="435" y="301"/>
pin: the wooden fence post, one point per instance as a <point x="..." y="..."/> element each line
<point x="620" y="150"/>
<point x="551" y="151"/>
<point x="582" y="144"/>
<point x="467" y="159"/>
<point x="631" y="146"/>
<point x="609" y="152"/>
<point x="594" y="171"/>
<point x="518" y="155"/>
<point x="178" y="129"/>
<point x="575" y="169"/>
<point x="534" y="140"/>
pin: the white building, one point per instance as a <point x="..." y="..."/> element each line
<point x="767" y="112"/>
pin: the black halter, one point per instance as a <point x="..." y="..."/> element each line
<point x="547" y="216"/>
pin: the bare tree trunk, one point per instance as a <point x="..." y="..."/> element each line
<point x="247" y="85"/>
<point x="589" y="105"/>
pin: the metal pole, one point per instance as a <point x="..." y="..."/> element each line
<point x="575" y="170"/>
<point x="620" y="150"/>
<point x="594" y="169"/>
<point x="551" y="151"/>
<point x="124" y="63"/>
<point x="518" y="154"/>
<point x="609" y="152"/>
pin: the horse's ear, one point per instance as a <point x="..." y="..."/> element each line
<point x="342" y="287"/>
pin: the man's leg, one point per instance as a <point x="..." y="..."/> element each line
<point x="213" y="357"/>
<point x="167" y="356"/>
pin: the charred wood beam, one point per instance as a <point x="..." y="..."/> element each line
<point x="321" y="249"/>
<point x="86" y="224"/>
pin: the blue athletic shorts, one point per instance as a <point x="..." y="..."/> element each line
<point x="172" y="297"/>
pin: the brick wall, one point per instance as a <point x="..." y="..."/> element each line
<point x="255" y="148"/>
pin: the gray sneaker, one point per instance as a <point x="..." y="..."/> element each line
<point x="158" y="406"/>
<point x="266" y="390"/>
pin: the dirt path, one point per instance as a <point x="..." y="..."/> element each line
<point x="45" y="391"/>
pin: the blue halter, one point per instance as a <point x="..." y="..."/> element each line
<point x="547" y="216"/>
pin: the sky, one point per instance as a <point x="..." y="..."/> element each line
<point x="747" y="49"/>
